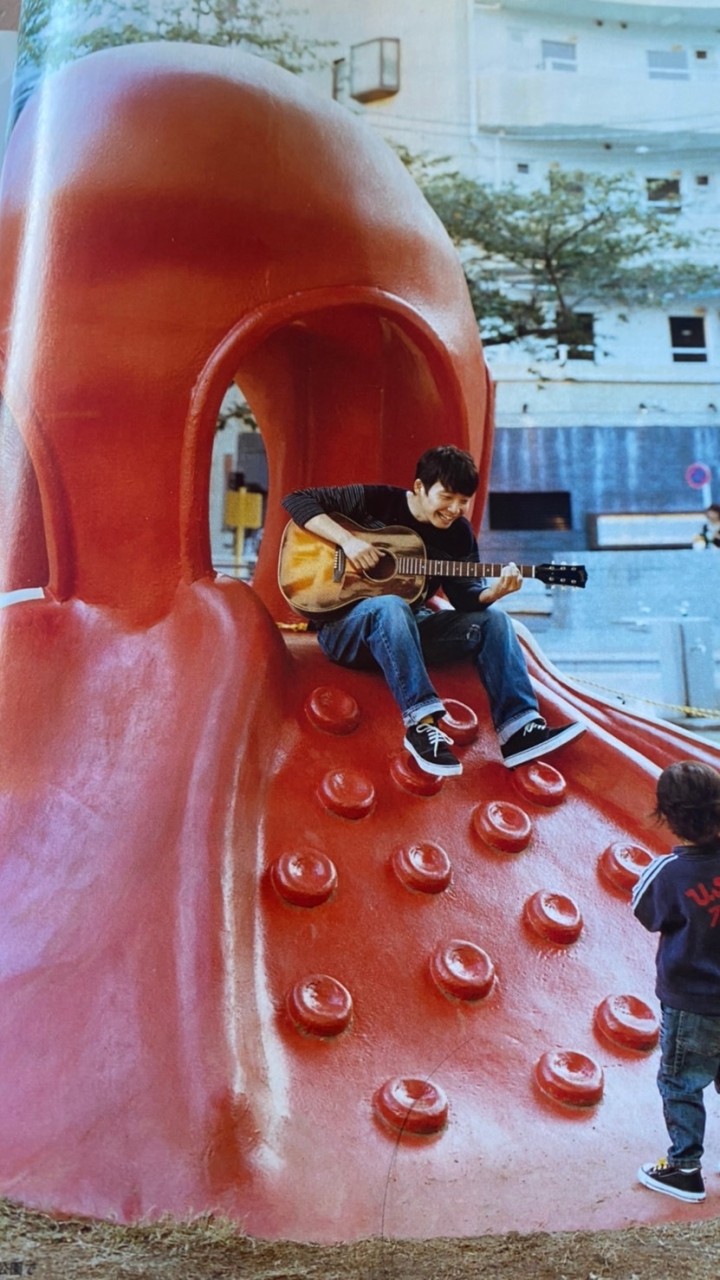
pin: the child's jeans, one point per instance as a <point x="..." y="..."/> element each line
<point x="690" y="1061"/>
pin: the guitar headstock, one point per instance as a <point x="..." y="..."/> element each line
<point x="561" y="575"/>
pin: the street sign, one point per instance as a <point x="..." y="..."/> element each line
<point x="698" y="475"/>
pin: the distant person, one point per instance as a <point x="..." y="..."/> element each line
<point x="400" y="638"/>
<point x="710" y="535"/>
<point x="678" y="896"/>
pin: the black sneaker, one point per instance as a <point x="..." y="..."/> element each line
<point x="684" y="1184"/>
<point x="535" y="739"/>
<point x="430" y="747"/>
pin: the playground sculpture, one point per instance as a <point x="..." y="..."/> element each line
<point x="248" y="965"/>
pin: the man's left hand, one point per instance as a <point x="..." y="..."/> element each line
<point x="510" y="580"/>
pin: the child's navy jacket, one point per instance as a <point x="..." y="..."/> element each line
<point x="678" y="896"/>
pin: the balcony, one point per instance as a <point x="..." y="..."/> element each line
<point x="662" y="13"/>
<point x="550" y="104"/>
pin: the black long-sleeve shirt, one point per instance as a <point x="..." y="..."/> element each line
<point x="372" y="506"/>
<point x="678" y="896"/>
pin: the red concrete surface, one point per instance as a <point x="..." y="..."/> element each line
<point x="252" y="961"/>
<point x="144" y="268"/>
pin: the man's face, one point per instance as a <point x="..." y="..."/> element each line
<point x="439" y="506"/>
<point x="713" y="517"/>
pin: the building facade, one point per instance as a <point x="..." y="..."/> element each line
<point x="9" y="17"/>
<point x="510" y="91"/>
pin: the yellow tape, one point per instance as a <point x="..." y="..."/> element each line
<point x="702" y="712"/>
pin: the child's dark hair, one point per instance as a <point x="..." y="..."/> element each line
<point x="688" y="800"/>
<point x="454" y="468"/>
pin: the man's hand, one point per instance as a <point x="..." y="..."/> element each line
<point x="510" y="580"/>
<point x="360" y="554"/>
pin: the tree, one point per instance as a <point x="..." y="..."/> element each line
<point x="536" y="262"/>
<point x="53" y="32"/>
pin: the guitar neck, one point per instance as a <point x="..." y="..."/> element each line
<point x="414" y="565"/>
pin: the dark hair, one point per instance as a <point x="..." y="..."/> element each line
<point x="454" y="468"/>
<point x="714" y="506"/>
<point x="688" y="800"/>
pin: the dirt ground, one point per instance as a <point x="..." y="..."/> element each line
<point x="32" y="1244"/>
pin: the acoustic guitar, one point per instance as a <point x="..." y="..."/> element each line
<point x="317" y="580"/>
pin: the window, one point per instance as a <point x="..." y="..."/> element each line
<point x="374" y="69"/>
<point x="546" y="510"/>
<point x="670" y="65"/>
<point x="522" y="167"/>
<point x="687" y="335"/>
<point x="340" y="80"/>
<point x="702" y="179"/>
<point x="559" y="55"/>
<point x="576" y="335"/>
<point x="663" y="194"/>
<point x="563" y="183"/>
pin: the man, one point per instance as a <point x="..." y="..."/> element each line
<point x="402" y="639"/>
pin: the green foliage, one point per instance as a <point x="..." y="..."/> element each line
<point x="53" y="32"/>
<point x="533" y="259"/>
<point x="236" y="409"/>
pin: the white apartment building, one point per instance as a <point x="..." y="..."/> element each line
<point x="508" y="90"/>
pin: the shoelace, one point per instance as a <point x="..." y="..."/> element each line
<point x="435" y="735"/>
<point x="663" y="1165"/>
<point x="534" y="726"/>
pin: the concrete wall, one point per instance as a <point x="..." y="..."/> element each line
<point x="644" y="632"/>
<point x="628" y="594"/>
<point x="631" y="468"/>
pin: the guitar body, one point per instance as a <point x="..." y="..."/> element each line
<point x="316" y="579"/>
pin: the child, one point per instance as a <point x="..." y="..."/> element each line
<point x="679" y="897"/>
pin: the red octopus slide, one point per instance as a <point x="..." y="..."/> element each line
<point x="252" y="962"/>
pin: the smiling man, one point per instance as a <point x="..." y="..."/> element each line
<point x="402" y="639"/>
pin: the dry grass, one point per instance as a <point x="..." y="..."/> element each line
<point x="34" y="1244"/>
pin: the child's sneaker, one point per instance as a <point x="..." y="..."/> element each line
<point x="684" y="1184"/>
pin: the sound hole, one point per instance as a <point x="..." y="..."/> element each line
<point x="383" y="571"/>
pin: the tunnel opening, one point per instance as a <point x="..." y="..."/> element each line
<point x="238" y="488"/>
<point x="338" y="393"/>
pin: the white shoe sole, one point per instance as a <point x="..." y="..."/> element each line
<point x="437" y="770"/>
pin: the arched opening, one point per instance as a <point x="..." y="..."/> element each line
<point x="343" y="390"/>
<point x="238" y="488"/>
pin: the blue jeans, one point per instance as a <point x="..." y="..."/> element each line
<point x="385" y="632"/>
<point x="690" y="1061"/>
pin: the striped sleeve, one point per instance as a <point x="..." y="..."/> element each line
<point x="347" y="500"/>
<point x="646" y="893"/>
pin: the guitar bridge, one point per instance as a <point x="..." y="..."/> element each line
<point x="339" y="563"/>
